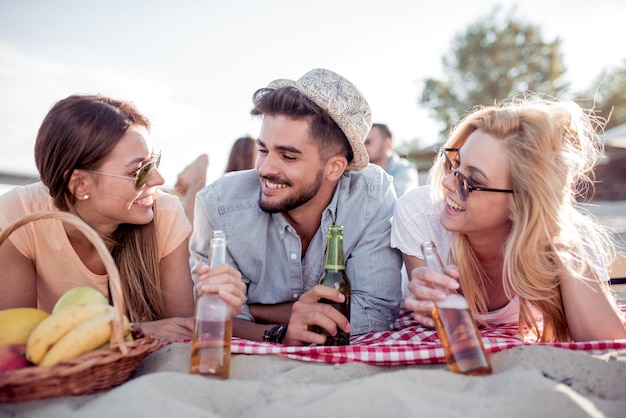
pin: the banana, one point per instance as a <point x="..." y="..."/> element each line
<point x="127" y="331"/>
<point x="55" y="326"/>
<point x="85" y="337"/>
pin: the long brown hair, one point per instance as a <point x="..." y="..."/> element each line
<point x="242" y="154"/>
<point x="78" y="133"/>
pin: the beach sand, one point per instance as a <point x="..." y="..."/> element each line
<point x="528" y="381"/>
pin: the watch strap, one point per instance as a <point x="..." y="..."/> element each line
<point x="276" y="334"/>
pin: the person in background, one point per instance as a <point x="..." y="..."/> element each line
<point x="379" y="148"/>
<point x="312" y="171"/>
<point x="190" y="181"/>
<point x="193" y="177"/>
<point x="95" y="160"/>
<point x="242" y="155"/>
<point x="502" y="209"/>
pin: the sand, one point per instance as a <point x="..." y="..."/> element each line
<point x="527" y="381"/>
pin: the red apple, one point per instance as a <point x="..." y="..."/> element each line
<point x="12" y="357"/>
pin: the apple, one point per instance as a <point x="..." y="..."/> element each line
<point x="12" y="357"/>
<point x="80" y="295"/>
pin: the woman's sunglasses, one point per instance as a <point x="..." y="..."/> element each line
<point x="465" y="185"/>
<point x="140" y="176"/>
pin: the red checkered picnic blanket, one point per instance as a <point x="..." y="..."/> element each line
<point x="407" y="343"/>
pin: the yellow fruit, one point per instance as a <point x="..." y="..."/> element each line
<point x="128" y="334"/>
<point x="55" y="326"/>
<point x="80" y="295"/>
<point x="87" y="336"/>
<point x="84" y="337"/>
<point x="16" y="324"/>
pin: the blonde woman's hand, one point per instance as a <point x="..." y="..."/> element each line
<point x="424" y="286"/>
<point x="223" y="280"/>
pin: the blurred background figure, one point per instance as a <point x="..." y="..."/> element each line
<point x="190" y="181"/>
<point x="193" y="177"/>
<point x="379" y="148"/>
<point x="242" y="154"/>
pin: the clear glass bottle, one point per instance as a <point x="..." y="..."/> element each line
<point x="458" y="332"/>
<point x="335" y="277"/>
<point x="213" y="331"/>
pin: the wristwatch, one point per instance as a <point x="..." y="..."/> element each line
<point x="276" y="334"/>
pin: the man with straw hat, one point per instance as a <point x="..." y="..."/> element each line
<point x="312" y="171"/>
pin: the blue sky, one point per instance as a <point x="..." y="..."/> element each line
<point x="192" y="66"/>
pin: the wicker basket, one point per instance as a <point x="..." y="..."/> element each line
<point x="92" y="372"/>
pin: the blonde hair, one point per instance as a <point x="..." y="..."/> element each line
<point x="552" y="150"/>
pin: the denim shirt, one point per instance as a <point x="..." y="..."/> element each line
<point x="404" y="174"/>
<point x="267" y="251"/>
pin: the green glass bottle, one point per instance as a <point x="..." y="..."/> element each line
<point x="335" y="277"/>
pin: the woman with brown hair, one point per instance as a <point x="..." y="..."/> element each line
<point x="242" y="155"/>
<point x="96" y="160"/>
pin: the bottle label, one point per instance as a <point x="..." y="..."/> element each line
<point x="335" y="267"/>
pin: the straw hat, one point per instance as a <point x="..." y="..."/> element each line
<point x="343" y="102"/>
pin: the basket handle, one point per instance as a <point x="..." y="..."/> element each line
<point x="117" y="332"/>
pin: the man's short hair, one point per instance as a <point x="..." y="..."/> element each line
<point x="289" y="101"/>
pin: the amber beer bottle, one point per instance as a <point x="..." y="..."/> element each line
<point x="462" y="344"/>
<point x="335" y="277"/>
<point x="213" y="331"/>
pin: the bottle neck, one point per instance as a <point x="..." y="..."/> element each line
<point x="334" y="252"/>
<point x="217" y="253"/>
<point x="433" y="261"/>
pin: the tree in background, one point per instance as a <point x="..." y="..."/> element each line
<point x="493" y="60"/>
<point x="606" y="96"/>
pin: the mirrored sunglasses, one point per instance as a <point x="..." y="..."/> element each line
<point x="142" y="174"/>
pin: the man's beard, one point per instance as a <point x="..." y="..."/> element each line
<point x="293" y="202"/>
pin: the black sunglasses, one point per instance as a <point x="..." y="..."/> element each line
<point x="140" y="176"/>
<point x="466" y="185"/>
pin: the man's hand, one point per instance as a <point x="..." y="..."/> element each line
<point x="308" y="312"/>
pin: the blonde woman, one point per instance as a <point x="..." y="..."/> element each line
<point x="502" y="211"/>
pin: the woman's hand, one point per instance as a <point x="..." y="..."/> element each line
<point x="427" y="287"/>
<point x="223" y="280"/>
<point x="169" y="329"/>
